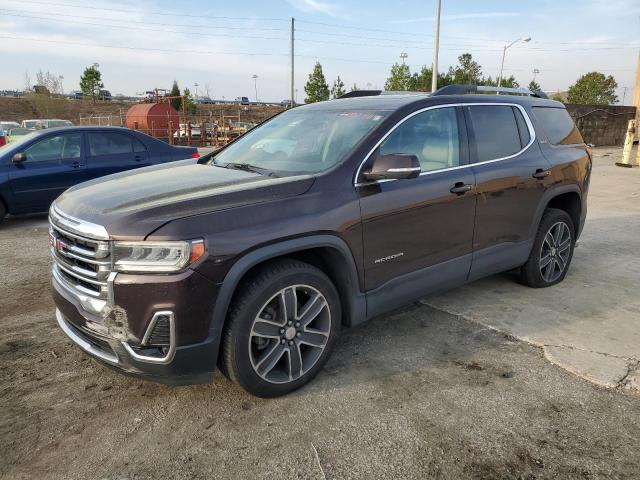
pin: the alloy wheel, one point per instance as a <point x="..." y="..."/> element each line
<point x="289" y="334"/>
<point x="555" y="251"/>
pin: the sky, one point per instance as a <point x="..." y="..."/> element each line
<point x="220" y="45"/>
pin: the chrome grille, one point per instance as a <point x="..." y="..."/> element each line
<point x="82" y="265"/>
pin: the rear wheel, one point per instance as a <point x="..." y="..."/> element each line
<point x="3" y="210"/>
<point x="552" y="250"/>
<point x="281" y="330"/>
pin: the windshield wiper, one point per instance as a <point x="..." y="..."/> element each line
<point x="247" y="167"/>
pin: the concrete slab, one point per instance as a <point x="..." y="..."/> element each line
<point x="590" y="323"/>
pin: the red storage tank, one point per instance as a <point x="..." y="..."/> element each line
<point x="153" y="118"/>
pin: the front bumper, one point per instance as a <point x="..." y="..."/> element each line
<point x="186" y="362"/>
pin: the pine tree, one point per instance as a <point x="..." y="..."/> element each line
<point x="533" y="85"/>
<point x="354" y="88"/>
<point x="175" y="92"/>
<point x="91" y="82"/>
<point x="189" y="103"/>
<point x="317" y="89"/>
<point x="399" y="78"/>
<point x="338" y="88"/>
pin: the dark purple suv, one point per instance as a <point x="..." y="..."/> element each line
<point x="253" y="258"/>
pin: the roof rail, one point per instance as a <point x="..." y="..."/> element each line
<point x="373" y="93"/>
<point x="466" y="89"/>
<point x="361" y="93"/>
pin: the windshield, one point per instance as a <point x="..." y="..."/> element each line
<point x="301" y="141"/>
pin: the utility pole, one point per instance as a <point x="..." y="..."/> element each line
<point x="403" y="56"/>
<point x="293" y="100"/>
<point x="436" y="47"/>
<point x="624" y="95"/>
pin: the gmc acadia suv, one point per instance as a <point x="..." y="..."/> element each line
<point x="253" y="257"/>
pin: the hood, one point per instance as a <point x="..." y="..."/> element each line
<point x="135" y="203"/>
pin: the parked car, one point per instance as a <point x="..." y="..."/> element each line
<point x="3" y="137"/>
<point x="16" y="133"/>
<point x="31" y="124"/>
<point x="183" y="131"/>
<point x="38" y="124"/>
<point x="8" y="125"/>
<point x="76" y="95"/>
<point x="37" y="168"/>
<point x="242" y="100"/>
<point x="254" y="256"/>
<point x="105" y="95"/>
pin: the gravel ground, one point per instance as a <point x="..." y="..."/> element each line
<point x="417" y="394"/>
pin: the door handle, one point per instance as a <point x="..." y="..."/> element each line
<point x="461" y="188"/>
<point x="540" y="174"/>
<point x="138" y="158"/>
<point x="75" y="165"/>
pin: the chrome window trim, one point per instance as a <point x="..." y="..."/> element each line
<point x="532" y="135"/>
<point x="172" y="340"/>
<point x="77" y="226"/>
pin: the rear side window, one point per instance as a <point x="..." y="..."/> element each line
<point x="107" y="143"/>
<point x="525" y="136"/>
<point x="558" y="125"/>
<point x="496" y="131"/>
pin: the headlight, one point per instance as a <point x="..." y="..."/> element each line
<point x="155" y="257"/>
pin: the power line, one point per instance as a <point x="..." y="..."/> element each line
<point x="138" y="22"/>
<point x="149" y="49"/>
<point x="142" y="12"/>
<point x="235" y="35"/>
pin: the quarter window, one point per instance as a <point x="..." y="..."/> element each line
<point x="55" y="148"/>
<point x="525" y="136"/>
<point x="107" y="143"/>
<point x="432" y="136"/>
<point x="558" y="125"/>
<point x="496" y="131"/>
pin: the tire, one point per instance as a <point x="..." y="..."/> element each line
<point x="3" y="211"/>
<point x="269" y="352"/>
<point x="552" y="250"/>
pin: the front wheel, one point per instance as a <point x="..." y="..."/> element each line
<point x="552" y="250"/>
<point x="281" y="329"/>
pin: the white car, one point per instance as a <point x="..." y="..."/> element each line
<point x="183" y="130"/>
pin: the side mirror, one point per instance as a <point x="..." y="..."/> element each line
<point x="396" y="166"/>
<point x="19" y="157"/>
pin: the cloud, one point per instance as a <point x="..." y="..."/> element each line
<point x="460" y="16"/>
<point x="316" y="6"/>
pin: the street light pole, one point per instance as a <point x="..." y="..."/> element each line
<point x="504" y="51"/>
<point x="436" y="46"/>
<point x="255" y="85"/>
<point x="403" y="56"/>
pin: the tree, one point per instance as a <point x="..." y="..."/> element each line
<point x="468" y="71"/>
<point x="175" y="92"/>
<point x="533" y="85"/>
<point x="510" y="82"/>
<point x="189" y="102"/>
<point x="338" y="88"/>
<point x="91" y="82"/>
<point x="593" y="88"/>
<point x="421" y="82"/>
<point x="316" y="88"/>
<point x="399" y="78"/>
<point x="354" y="88"/>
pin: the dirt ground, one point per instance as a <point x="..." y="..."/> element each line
<point x="417" y="394"/>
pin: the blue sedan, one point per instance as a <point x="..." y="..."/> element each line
<point x="37" y="168"/>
